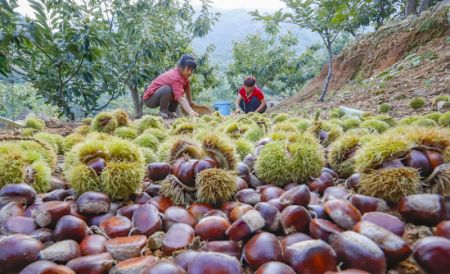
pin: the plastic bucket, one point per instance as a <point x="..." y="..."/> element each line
<point x="223" y="107"/>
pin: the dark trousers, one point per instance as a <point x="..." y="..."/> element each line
<point x="163" y="97"/>
<point x="251" y="106"/>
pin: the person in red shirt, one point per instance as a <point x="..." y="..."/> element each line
<point x="250" y="97"/>
<point x="172" y="88"/>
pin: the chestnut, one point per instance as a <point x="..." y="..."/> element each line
<point x="352" y="182"/>
<point x="122" y="248"/>
<point x="277" y="203"/>
<point x="133" y="265"/>
<point x="152" y="190"/>
<point x="48" y="213"/>
<point x="394" y="247"/>
<point x="197" y="210"/>
<point x="74" y="211"/>
<point x="226" y="247"/>
<point x="44" y="235"/>
<point x="179" y="236"/>
<point x="185" y="172"/>
<point x="98" y="165"/>
<point x="217" y="213"/>
<point x="397" y="163"/>
<point x="367" y="204"/>
<point x="57" y="183"/>
<point x="422" y="209"/>
<point x="142" y="198"/>
<point x="311" y="256"/>
<point x="146" y="219"/>
<point x="239" y="211"/>
<point x="212" y="228"/>
<point x="21" y="193"/>
<point x="42" y="267"/>
<point x="158" y="171"/>
<point x="176" y="214"/>
<point x="244" y="172"/>
<point x="116" y="226"/>
<point x="185" y="258"/>
<point x="255" y="181"/>
<point x="61" y="252"/>
<point x="161" y="203"/>
<point x="348" y="271"/>
<point x="127" y="211"/>
<point x="275" y="267"/>
<point x="336" y="192"/>
<point x="434" y="158"/>
<point x="343" y="213"/>
<point x="331" y="172"/>
<point x="93" y="244"/>
<point x="245" y="226"/>
<point x="357" y="251"/>
<point x="17" y="251"/>
<point x="418" y="160"/>
<point x="164" y="266"/>
<point x="323" y="229"/>
<point x="442" y="229"/>
<point x="271" y="216"/>
<point x="56" y="195"/>
<point x="262" y="248"/>
<point x="247" y="196"/>
<point x="204" y="164"/>
<point x="92" y="202"/>
<point x="249" y="160"/>
<point x="318" y="211"/>
<point x="387" y="221"/>
<point x="270" y="193"/>
<point x="299" y="195"/>
<point x="11" y="209"/>
<point x="19" y="224"/>
<point x="98" y="219"/>
<point x="295" y="219"/>
<point x="324" y="181"/>
<point x="213" y="262"/>
<point x="432" y="254"/>
<point x="292" y="239"/>
<point x="96" y="264"/>
<point x="290" y="186"/>
<point x="70" y="227"/>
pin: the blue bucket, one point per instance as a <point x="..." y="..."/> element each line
<point x="223" y="107"/>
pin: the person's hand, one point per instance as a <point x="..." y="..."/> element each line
<point x="237" y="111"/>
<point x="195" y="114"/>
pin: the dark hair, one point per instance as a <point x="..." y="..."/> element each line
<point x="187" y="61"/>
<point x="250" y="81"/>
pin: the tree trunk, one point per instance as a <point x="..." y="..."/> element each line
<point x="410" y="7"/>
<point x="423" y="5"/>
<point x="137" y="101"/>
<point x="330" y="72"/>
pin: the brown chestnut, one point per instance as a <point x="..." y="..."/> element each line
<point x="133" y="265"/>
<point x="255" y="181"/>
<point x="142" y="198"/>
<point x="239" y="211"/>
<point x="418" y="160"/>
<point x="128" y="211"/>
<point x="247" y="196"/>
<point x="226" y="247"/>
<point x="48" y="213"/>
<point x="44" y="235"/>
<point x="343" y="213"/>
<point x="422" y="209"/>
<point x="204" y="164"/>
<point x="262" y="248"/>
<point x="92" y="264"/>
<point x="244" y="172"/>
<point x="324" y="181"/>
<point x="212" y="228"/>
<point x="146" y="219"/>
<point x="19" y="224"/>
<point x="294" y="238"/>
<point x="93" y="203"/>
<point x="275" y="267"/>
<point x="387" y="221"/>
<point x="152" y="190"/>
<point x="245" y="226"/>
<point x="161" y="203"/>
<point x="21" y="193"/>
<point x="331" y="172"/>
<point x="116" y="226"/>
<point x="162" y="267"/>
<point x="295" y="219"/>
<point x="443" y="229"/>
<point x="46" y="267"/>
<point x="98" y="165"/>
<point x="367" y="204"/>
<point x="241" y="184"/>
<point x="271" y="216"/>
<point x="318" y="211"/>
<point x="185" y="172"/>
<point x="158" y="171"/>
<point x="179" y="236"/>
<point x="123" y="248"/>
<point x="185" y="258"/>
<point x="197" y="210"/>
<point x="93" y="244"/>
<point x="11" y="209"/>
<point x="432" y="254"/>
<point x="56" y="195"/>
<point x="299" y="195"/>
<point x="61" y="252"/>
<point x="323" y="229"/>
<point x="311" y="256"/>
<point x="434" y="157"/>
<point x="336" y="192"/>
<point x="270" y="193"/>
<point x="357" y="251"/>
<point x="70" y="227"/>
<point x="213" y="262"/>
<point x="17" y="251"/>
<point x="352" y="182"/>
<point x="176" y="214"/>
<point x="96" y="220"/>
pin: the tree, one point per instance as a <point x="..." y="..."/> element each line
<point x="328" y="18"/>
<point x="411" y="6"/>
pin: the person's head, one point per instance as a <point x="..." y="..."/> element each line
<point x="249" y="83"/>
<point x="187" y="65"/>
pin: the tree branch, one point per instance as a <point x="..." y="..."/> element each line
<point x="76" y="71"/>
<point x="46" y="54"/>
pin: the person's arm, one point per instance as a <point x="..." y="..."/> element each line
<point x="186" y="106"/>
<point x="263" y="104"/>
<point x="237" y="102"/>
<point x="189" y="93"/>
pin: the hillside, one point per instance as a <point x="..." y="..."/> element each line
<point x="400" y="61"/>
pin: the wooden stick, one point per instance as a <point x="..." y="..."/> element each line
<point x="11" y="122"/>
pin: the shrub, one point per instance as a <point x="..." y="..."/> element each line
<point x="417" y="102"/>
<point x="384" y="108"/>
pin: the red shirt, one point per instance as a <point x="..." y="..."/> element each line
<point x="172" y="78"/>
<point x="257" y="92"/>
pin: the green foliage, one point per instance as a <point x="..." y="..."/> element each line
<point x="417" y="102"/>
<point x="444" y="120"/>
<point x="434" y="116"/>
<point x="443" y="98"/>
<point x="35" y="123"/>
<point x="384" y="108"/>
<point x="147" y="140"/>
<point x="336" y="113"/>
<point x="375" y="125"/>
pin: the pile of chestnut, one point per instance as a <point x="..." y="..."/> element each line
<point x="319" y="227"/>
